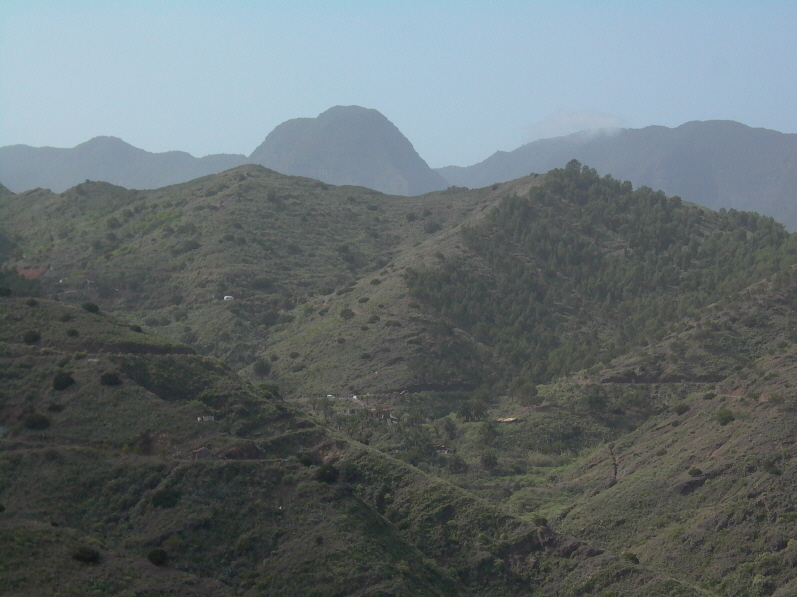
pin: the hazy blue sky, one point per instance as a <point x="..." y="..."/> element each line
<point x="459" y="79"/>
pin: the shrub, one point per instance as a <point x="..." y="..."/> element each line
<point x="87" y="555"/>
<point x="373" y="319"/>
<point x="695" y="472"/>
<point x="110" y="379"/>
<point x="709" y="396"/>
<point x="31" y="302"/>
<point x="137" y="328"/>
<point x="91" y="307"/>
<point x="630" y="557"/>
<point x="36" y="421"/>
<point x="770" y="467"/>
<point x="724" y="416"/>
<point x="540" y="521"/>
<point x="5" y="291"/>
<point x="55" y="408"/>
<point x="158" y="556"/>
<point x="261" y="368"/>
<point x="65" y="317"/>
<point x="348" y="472"/>
<point x="363" y="299"/>
<point x="327" y="473"/>
<point x="347" y="313"/>
<point x="294" y="355"/>
<point x="376" y="282"/>
<point x="365" y="356"/>
<point x="31" y="337"/>
<point x="488" y="459"/>
<point x="166" y="498"/>
<point x="62" y="380"/>
<point x="681" y="408"/>
<point x="431" y="227"/>
<point x="72" y="332"/>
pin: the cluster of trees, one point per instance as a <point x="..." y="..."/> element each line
<point x="585" y="267"/>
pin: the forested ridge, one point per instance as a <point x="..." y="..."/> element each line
<point x="584" y="267"/>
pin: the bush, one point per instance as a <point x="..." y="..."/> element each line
<point x="347" y="314"/>
<point x="31" y="302"/>
<point x="91" y="307"/>
<point x="431" y="227"/>
<point x="158" y="557"/>
<point x="724" y="416"/>
<point x="65" y="317"/>
<point x="695" y="472"/>
<point x="166" y="498"/>
<point x="261" y="368"/>
<point x="62" y="380"/>
<point x="36" y="421"/>
<point x="348" y="472"/>
<point x="630" y="557"/>
<point x="305" y="460"/>
<point x="110" y="379"/>
<point x="137" y="328"/>
<point x="770" y="467"/>
<point x="87" y="555"/>
<point x="327" y="473"/>
<point x="5" y="291"/>
<point x="72" y="333"/>
<point x="681" y="408"/>
<point x="31" y="337"/>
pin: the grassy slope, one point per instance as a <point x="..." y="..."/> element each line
<point x="282" y="246"/>
<point x="729" y="524"/>
<point x="112" y="469"/>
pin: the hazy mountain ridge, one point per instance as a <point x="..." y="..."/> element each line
<point x="349" y="145"/>
<point x="713" y="163"/>
<point x="344" y="145"/>
<point x="104" y="158"/>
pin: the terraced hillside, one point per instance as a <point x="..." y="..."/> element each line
<point x="133" y="466"/>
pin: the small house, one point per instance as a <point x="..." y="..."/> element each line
<point x="201" y="453"/>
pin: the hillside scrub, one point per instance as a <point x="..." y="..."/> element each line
<point x="584" y="268"/>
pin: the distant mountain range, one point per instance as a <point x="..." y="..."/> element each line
<point x="713" y="163"/>
<point x="349" y="145"/>
<point x="107" y="159"/>
<point x="344" y="145"/>
<point x="716" y="163"/>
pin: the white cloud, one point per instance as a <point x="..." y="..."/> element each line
<point x="565" y="122"/>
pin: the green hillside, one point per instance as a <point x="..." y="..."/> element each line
<point x="132" y="466"/>
<point x="559" y="385"/>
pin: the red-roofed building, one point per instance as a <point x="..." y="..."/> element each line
<point x="31" y="274"/>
